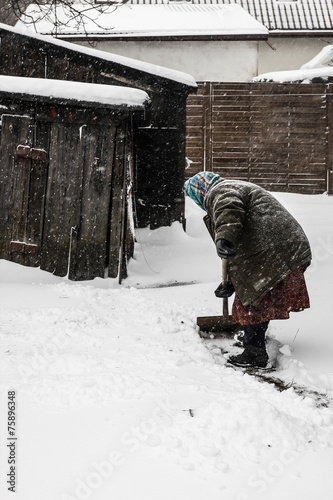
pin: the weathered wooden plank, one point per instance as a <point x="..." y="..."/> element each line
<point x="226" y="117"/>
<point x="208" y="126"/>
<point x="193" y="169"/>
<point x="118" y="198"/>
<point x="195" y="155"/>
<point x="33" y="62"/>
<point x="287" y="100"/>
<point x="231" y="129"/>
<point x="231" y="109"/>
<point x="233" y="100"/>
<point x="303" y="129"/>
<point x="230" y="147"/>
<point x="196" y="139"/>
<point x="14" y="181"/>
<point x="219" y="162"/>
<point x="329" y="152"/>
<point x="11" y="62"/>
<point x="287" y="88"/>
<point x="37" y="188"/>
<point x="231" y="155"/>
<point x="63" y="198"/>
<point x="126" y="250"/>
<point x="194" y="151"/>
<point x="282" y="145"/>
<point x="56" y="67"/>
<point x="89" y="258"/>
<point x="194" y="122"/>
<point x="195" y="144"/>
<point x="288" y="123"/>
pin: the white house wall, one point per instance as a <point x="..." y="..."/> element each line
<point x="228" y="61"/>
<point x="290" y="53"/>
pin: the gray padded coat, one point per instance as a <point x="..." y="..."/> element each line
<point x="269" y="242"/>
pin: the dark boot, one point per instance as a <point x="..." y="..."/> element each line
<point x="252" y="356"/>
<point x="255" y="334"/>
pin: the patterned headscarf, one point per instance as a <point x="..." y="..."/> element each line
<point x="198" y="186"/>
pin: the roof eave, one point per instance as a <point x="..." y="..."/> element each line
<point x="155" y="82"/>
<point x="160" y="38"/>
<point x="68" y="102"/>
<point x="304" y="32"/>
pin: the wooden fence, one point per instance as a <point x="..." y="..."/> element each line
<point x="279" y="136"/>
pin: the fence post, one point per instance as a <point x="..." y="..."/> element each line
<point x="329" y="160"/>
<point x="208" y="128"/>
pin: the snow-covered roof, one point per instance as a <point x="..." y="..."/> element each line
<point x="288" y="15"/>
<point x="148" y="20"/>
<point x="151" y="69"/>
<point x="276" y="15"/>
<point x="75" y="92"/>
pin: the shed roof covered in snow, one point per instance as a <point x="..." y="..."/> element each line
<point x="87" y="94"/>
<point x="156" y="76"/>
<point x="161" y="138"/>
<point x="149" y="20"/>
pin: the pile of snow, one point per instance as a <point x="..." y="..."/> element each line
<point x="323" y="59"/>
<point x="117" y="395"/>
<point x="318" y="70"/>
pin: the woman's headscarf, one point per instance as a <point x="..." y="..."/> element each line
<point x="198" y="186"/>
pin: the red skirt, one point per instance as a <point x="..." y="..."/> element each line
<point x="290" y="295"/>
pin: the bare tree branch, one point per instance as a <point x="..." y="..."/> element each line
<point x="60" y="13"/>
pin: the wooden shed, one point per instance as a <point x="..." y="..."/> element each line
<point x="159" y="144"/>
<point x="66" y="169"/>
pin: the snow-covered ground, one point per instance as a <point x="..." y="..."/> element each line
<point x="117" y="397"/>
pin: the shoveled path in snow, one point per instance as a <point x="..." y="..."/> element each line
<point x="118" y="395"/>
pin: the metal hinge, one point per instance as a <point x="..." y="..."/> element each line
<point x="22" y="247"/>
<point x="31" y="153"/>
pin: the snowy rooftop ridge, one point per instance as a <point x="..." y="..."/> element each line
<point x="124" y="97"/>
<point x="152" y="69"/>
<point x="180" y="19"/>
<point x="284" y="15"/>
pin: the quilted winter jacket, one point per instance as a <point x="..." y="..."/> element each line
<point x="269" y="242"/>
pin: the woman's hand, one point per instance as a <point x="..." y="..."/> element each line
<point x="223" y="292"/>
<point x="225" y="249"/>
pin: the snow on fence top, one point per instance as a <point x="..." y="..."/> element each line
<point x="181" y="19"/>
<point x="106" y="95"/>
<point x="318" y="69"/>
<point x="296" y="76"/>
<point x="152" y="69"/>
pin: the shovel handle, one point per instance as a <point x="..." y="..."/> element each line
<point x="225" y="308"/>
<point x="224" y="272"/>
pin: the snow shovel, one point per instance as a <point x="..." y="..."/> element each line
<point x="219" y="326"/>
